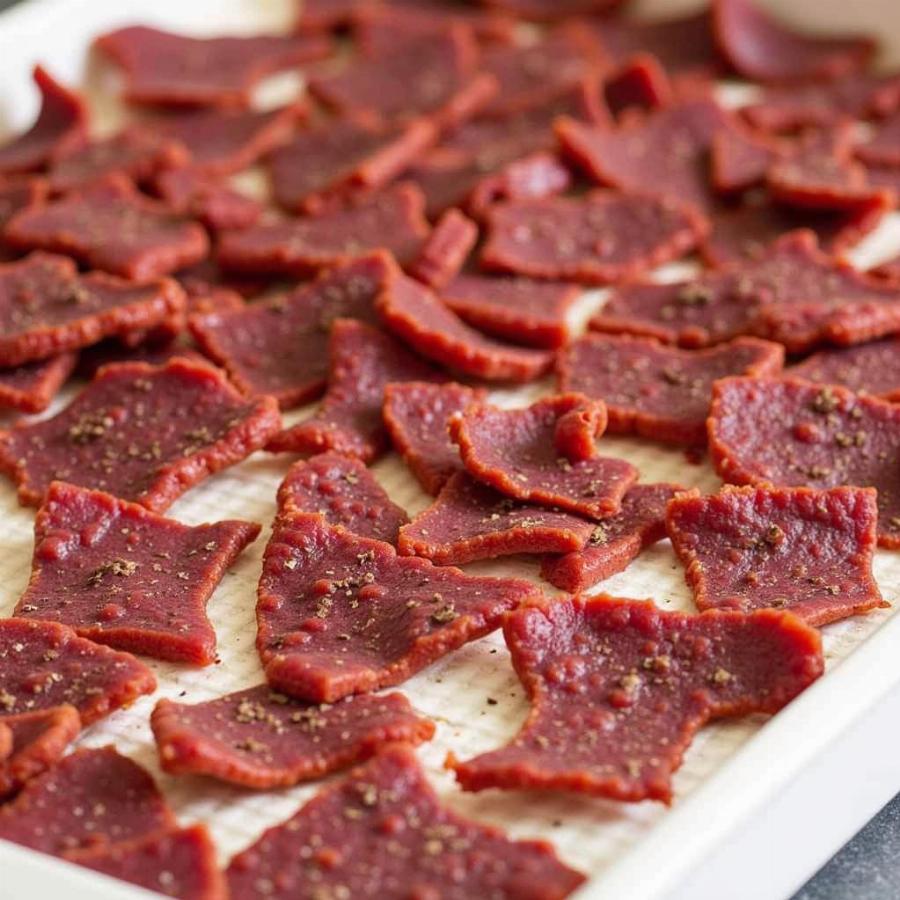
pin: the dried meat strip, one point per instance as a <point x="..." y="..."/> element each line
<point x="641" y="83"/>
<point x="872" y="368"/>
<point x="32" y="386"/>
<point x="740" y="159"/>
<point x="446" y="250"/>
<point x="38" y="741"/>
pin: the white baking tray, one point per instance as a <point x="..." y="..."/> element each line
<point x="759" y="804"/>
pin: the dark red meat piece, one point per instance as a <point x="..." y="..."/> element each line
<point x="417" y="415"/>
<point x="538" y="175"/>
<point x="417" y="316"/>
<point x="793" y="432"/>
<point x="549" y="10"/>
<point x="19" y="192"/>
<point x="740" y="159"/>
<point x="209" y="198"/>
<point x="46" y="665"/>
<point x="527" y="454"/>
<point x="640" y="83"/>
<point x="61" y="126"/>
<point x="338" y="614"/>
<point x="872" y="368"/>
<point x="362" y="362"/>
<point x="32" y="386"/>
<point x="762" y="49"/>
<point x="111" y="226"/>
<point x="619" y="688"/>
<point x="155" y="353"/>
<point x="803" y="550"/>
<point x="392" y="219"/>
<point x="178" y="70"/>
<point x="38" y="741"/>
<point x="345" y="492"/>
<point x="883" y="148"/>
<point x="122" y="576"/>
<point x="279" y="346"/>
<point x="349" y="837"/>
<point x="261" y="739"/>
<point x="615" y="541"/>
<point x="446" y="250"/>
<point x="656" y="391"/>
<point x="144" y="433"/>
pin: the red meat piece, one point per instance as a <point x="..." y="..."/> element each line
<point x="61" y="126"/>
<point x="446" y="250"/>
<point x="533" y="454"/>
<point x="619" y="688"/>
<point x="655" y="391"/>
<point x="550" y="10"/>
<point x="345" y="492"/>
<point x="883" y="148"/>
<point x="176" y="70"/>
<point x="209" y="198"/>
<point x="538" y="175"/>
<point x="339" y="614"/>
<point x="31" y="387"/>
<point x="798" y="549"/>
<point x="152" y="352"/>
<point x="362" y="361"/>
<point x="792" y="432"/>
<point x="615" y="541"/>
<point x="349" y="837"/>
<point x="122" y="576"/>
<point x="741" y="159"/>
<point x="143" y="433"/>
<point x="640" y="83"/>
<point x="872" y="368"/>
<point x="261" y="739"/>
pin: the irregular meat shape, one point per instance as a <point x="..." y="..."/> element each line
<point x="883" y="147"/>
<point x="61" y="126"/>
<point x="417" y="316"/>
<point x="872" y="368"/>
<point x="108" y="799"/>
<point x="664" y="153"/>
<point x="470" y="521"/>
<point x="110" y="225"/>
<point x="619" y="689"/>
<point x="417" y="415"/>
<point x="792" y="432"/>
<point x="362" y="362"/>
<point x="656" y="391"/>
<point x="39" y="740"/>
<point x="537" y="175"/>
<point x="18" y="192"/>
<point x="740" y="159"/>
<point x="446" y="250"/>
<point x="122" y="576"/>
<point x="261" y="739"/>
<point x="550" y="10"/>
<point x="344" y="839"/>
<point x="208" y="198"/>
<point x="338" y="614"/>
<point x="392" y="220"/>
<point x="31" y="387"/>
<point x="521" y="310"/>
<point x="535" y="454"/>
<point x="47" y="308"/>
<point x="599" y="237"/>
<point x="640" y="83"/>
<point x="144" y="433"/>
<point x="803" y="550"/>
<point x="279" y="346"/>
<point x="177" y="70"/>
<point x="345" y="492"/>
<point x="152" y="352"/>
<point x="46" y="665"/>
<point x="615" y="541"/>
<point x="762" y="49"/>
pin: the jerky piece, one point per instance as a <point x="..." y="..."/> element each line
<point x="519" y="309"/>
<point x="341" y="154"/>
<point x="61" y="126"/>
<point x="762" y="49"/>
<point x="19" y="192"/>
<point x="154" y="353"/>
<point x="596" y="238"/>
<point x="349" y="840"/>
<point x="39" y="740"/>
<point x="32" y="386"/>
<point x="47" y="308"/>
<point x="664" y="153"/>
<point x="362" y="362"/>
<point x="417" y="316"/>
<point x="178" y="863"/>
<point x="108" y="798"/>
<point x="279" y="346"/>
<point x="391" y="220"/>
<point x="538" y="175"/>
<point x="177" y="70"/>
<point x="792" y="432"/>
<point x="551" y="10"/>
<point x="446" y="250"/>
<point x="659" y="392"/>
<point x="209" y="198"/>
<point x="338" y="614"/>
<point x="741" y="159"/>
<point x="528" y="454"/>
<point x="417" y="415"/>
<point x="125" y="577"/>
<point x="261" y="739"/>
<point x="640" y="83"/>
<point x="345" y="492"/>
<point x="470" y="521"/>
<point x="804" y="550"/>
<point x="111" y="226"/>
<point x="143" y="433"/>
<point x="47" y="665"/>
<point x="615" y="541"/>
<point x="883" y="148"/>
<point x="619" y="688"/>
<point x="872" y="368"/>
